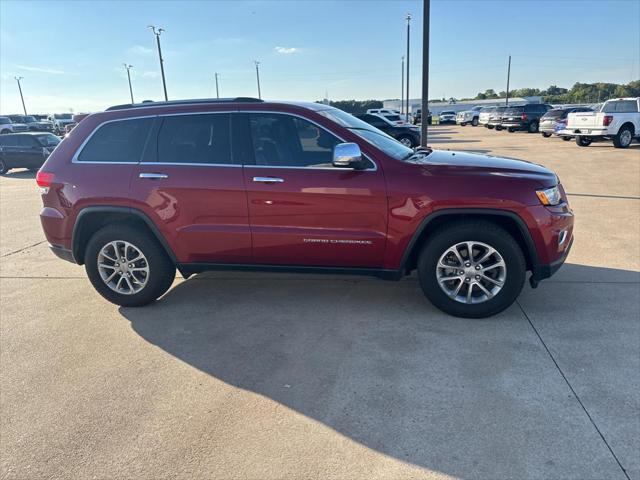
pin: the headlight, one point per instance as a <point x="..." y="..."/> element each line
<point x="549" y="196"/>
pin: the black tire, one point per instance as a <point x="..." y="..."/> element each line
<point x="463" y="124"/>
<point x="407" y="140"/>
<point x="624" y="137"/>
<point x="474" y="122"/>
<point x="533" y="127"/>
<point x="4" y="168"/>
<point x="583" y="141"/>
<point x="162" y="271"/>
<point x="511" y="130"/>
<point x="490" y="127"/>
<point x="546" y="134"/>
<point x="478" y="231"/>
<point x="566" y="139"/>
<point x="498" y="127"/>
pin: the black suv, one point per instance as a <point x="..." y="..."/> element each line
<point x="25" y="150"/>
<point x="525" y="117"/>
<point x="408" y="135"/>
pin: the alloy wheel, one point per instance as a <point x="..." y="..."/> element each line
<point x="123" y="267"/>
<point x="471" y="272"/>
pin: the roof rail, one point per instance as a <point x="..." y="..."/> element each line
<point x="198" y="101"/>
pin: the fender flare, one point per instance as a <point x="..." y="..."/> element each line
<point x="522" y="227"/>
<point x="126" y="211"/>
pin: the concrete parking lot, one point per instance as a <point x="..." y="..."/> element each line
<point x="234" y="375"/>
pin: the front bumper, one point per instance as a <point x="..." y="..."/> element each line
<point x="540" y="272"/>
<point x="62" y="253"/>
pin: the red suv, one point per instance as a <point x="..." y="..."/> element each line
<point x="141" y="190"/>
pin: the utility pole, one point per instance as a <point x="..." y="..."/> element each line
<point x="217" y="91"/>
<point x="408" y="18"/>
<point x="402" y="88"/>
<point x="425" y="72"/>
<point x="129" y="67"/>
<point x="258" y="77"/>
<point x="21" y="96"/>
<point x="508" y="78"/>
<point x="157" y="33"/>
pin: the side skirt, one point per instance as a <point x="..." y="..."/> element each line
<point x="188" y="269"/>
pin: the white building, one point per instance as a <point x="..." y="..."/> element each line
<point x="458" y="106"/>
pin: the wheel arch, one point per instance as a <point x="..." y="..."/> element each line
<point x="91" y="219"/>
<point x="628" y="124"/>
<point x="510" y="221"/>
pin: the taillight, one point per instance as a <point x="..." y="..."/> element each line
<point x="44" y="181"/>
<point x="523" y="116"/>
<point x="606" y="121"/>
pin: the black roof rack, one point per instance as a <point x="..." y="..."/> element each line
<point x="198" y="101"/>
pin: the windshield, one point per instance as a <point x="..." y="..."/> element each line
<point x="16" y="119"/>
<point x="393" y="118"/>
<point x="448" y="112"/>
<point x="48" y="140"/>
<point x="476" y="109"/>
<point x="370" y="134"/>
<point x="513" y="110"/>
<point x="62" y="116"/>
<point x="4" y="120"/>
<point x="29" y="119"/>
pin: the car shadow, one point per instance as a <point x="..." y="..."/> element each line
<point x="374" y="361"/>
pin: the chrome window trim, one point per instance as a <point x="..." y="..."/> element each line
<point x="74" y="159"/>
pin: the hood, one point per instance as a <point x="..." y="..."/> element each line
<point x="471" y="163"/>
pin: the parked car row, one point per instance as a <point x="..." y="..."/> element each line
<point x="406" y="134"/>
<point x="54" y="123"/>
<point x="617" y="120"/>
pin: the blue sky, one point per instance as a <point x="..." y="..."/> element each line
<point x="71" y="53"/>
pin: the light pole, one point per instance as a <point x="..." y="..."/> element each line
<point x="425" y="72"/>
<point x="217" y="91"/>
<point x="258" y="77"/>
<point x="402" y="87"/>
<point x="157" y="33"/>
<point x="408" y="18"/>
<point x="508" y="78"/>
<point x="129" y="67"/>
<point x="21" y="97"/>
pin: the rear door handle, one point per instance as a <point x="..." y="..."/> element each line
<point x="156" y="176"/>
<point x="268" y="180"/>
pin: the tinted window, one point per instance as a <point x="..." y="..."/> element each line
<point x="5" y="120"/>
<point x="25" y="141"/>
<point x="8" y="140"/>
<point x="513" y="110"/>
<point x="287" y="141"/>
<point x="392" y="118"/>
<point x="375" y="121"/>
<point x="119" y="141"/>
<point x="556" y="114"/>
<point x="621" y="106"/>
<point x="195" y="139"/>
<point x="48" y="140"/>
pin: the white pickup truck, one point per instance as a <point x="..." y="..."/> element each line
<point x="617" y="120"/>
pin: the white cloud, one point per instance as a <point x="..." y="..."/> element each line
<point x="287" y="50"/>
<point x="40" y="69"/>
<point x="140" y="50"/>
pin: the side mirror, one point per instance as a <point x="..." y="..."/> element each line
<point x="348" y="155"/>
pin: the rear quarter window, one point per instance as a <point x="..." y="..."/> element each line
<point x="120" y="141"/>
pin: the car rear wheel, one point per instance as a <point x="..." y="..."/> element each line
<point x="583" y="141"/>
<point x="474" y="122"/>
<point x="546" y="134"/>
<point x="566" y="139"/>
<point x="406" y="140"/>
<point x="623" y="138"/>
<point x="127" y="266"/>
<point x="498" y="127"/>
<point x="471" y="269"/>
<point x="511" y="130"/>
<point x="533" y="127"/>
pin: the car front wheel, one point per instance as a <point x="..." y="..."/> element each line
<point x="406" y="140"/>
<point x="474" y="122"/>
<point x="127" y="266"/>
<point x="546" y="134"/>
<point x="471" y="269"/>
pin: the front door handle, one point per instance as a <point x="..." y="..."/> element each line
<point x="268" y="180"/>
<point x="154" y="176"/>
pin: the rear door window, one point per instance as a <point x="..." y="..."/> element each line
<point x="201" y="139"/>
<point x="621" y="106"/>
<point x="121" y="141"/>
